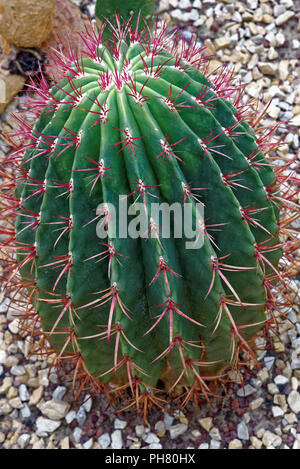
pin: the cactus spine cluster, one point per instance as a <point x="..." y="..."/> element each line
<point x="143" y="117"/>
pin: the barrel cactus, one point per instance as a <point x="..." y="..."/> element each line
<point x="142" y="119"/>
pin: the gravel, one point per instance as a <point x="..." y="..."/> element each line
<point x="38" y="411"/>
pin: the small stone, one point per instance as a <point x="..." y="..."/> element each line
<point x="54" y="409"/>
<point x="203" y="446"/>
<point x="296" y="121"/>
<point x="150" y="438"/>
<point x="88" y="444"/>
<point x="273" y="111"/>
<point x="267" y="68"/>
<point x="104" y="440"/>
<point x="65" y="443"/>
<point x="222" y="42"/>
<point x="160" y="428"/>
<point x="242" y="431"/>
<point x="18" y="370"/>
<point x="246" y="391"/>
<point x="24" y="393"/>
<point x="77" y="432"/>
<point x="116" y="439"/>
<point x="168" y="420"/>
<point x="139" y="430"/>
<point x="256" y="442"/>
<point x="215" y="434"/>
<point x="16" y="403"/>
<point x="277" y="411"/>
<point x="120" y="424"/>
<point x="88" y="403"/>
<point x="206" y="423"/>
<point x="256" y="403"/>
<point x="23" y="440"/>
<point x="59" y="392"/>
<point x="284" y="17"/>
<point x="70" y="416"/>
<point x="80" y="416"/>
<point x="177" y="430"/>
<point x="214" y="444"/>
<point x="270" y="439"/>
<point x="235" y="444"/>
<point x="280" y="379"/>
<point x="294" y="401"/>
<point x="45" y="425"/>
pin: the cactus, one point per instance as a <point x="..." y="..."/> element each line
<point x="133" y="11"/>
<point x="147" y="121"/>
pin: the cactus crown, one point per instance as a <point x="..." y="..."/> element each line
<point x="143" y="117"/>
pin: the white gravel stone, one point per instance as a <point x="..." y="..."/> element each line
<point x="116" y="439"/>
<point x="294" y="401"/>
<point x="70" y="416"/>
<point x="242" y="431"/>
<point x="54" y="409"/>
<point x="177" y="430"/>
<point x="284" y="17"/>
<point x="45" y="425"/>
<point x="150" y="438"/>
<point x="3" y="356"/>
<point x="247" y="390"/>
<point x="23" y="440"/>
<point x="277" y="411"/>
<point x="203" y="446"/>
<point x="139" y="430"/>
<point x="77" y="433"/>
<point x="280" y="379"/>
<point x="104" y="440"/>
<point x="59" y="392"/>
<point x="24" y="393"/>
<point x="120" y="424"/>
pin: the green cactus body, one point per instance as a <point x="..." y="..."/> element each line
<point x="143" y="121"/>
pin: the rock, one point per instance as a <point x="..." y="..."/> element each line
<point x="46" y="425"/>
<point x="215" y="434"/>
<point x="294" y="401"/>
<point x="116" y="439"/>
<point x="104" y="440"/>
<point x="150" y="438"/>
<point x="54" y="409"/>
<point x="296" y="120"/>
<point x="59" y="392"/>
<point x="27" y="23"/>
<point x="246" y="391"/>
<point x="242" y="431"/>
<point x="120" y="424"/>
<point x="222" y="42"/>
<point x="206" y="423"/>
<point x="24" y="393"/>
<point x="235" y="444"/>
<point x="177" y="430"/>
<point x="10" y="85"/>
<point x="77" y="434"/>
<point x="256" y="403"/>
<point x="267" y="68"/>
<point x="23" y="440"/>
<point x="280" y="379"/>
<point x="160" y="428"/>
<point x="284" y="17"/>
<point x="256" y="442"/>
<point x="277" y="411"/>
<point x="270" y="439"/>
